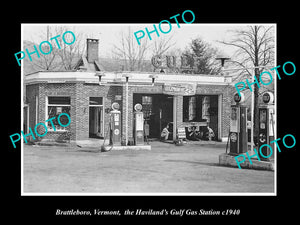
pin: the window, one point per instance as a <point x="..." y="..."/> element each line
<point x="147" y="106"/>
<point x="146" y="100"/>
<point x="56" y="106"/>
<point x="96" y="117"/>
<point x="95" y="100"/>
<point x="59" y="100"/>
<point x="192" y="108"/>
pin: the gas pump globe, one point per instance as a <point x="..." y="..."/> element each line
<point x="238" y="126"/>
<point x="266" y="123"/>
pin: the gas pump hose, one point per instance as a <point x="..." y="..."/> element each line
<point x="228" y="141"/>
<point x="102" y="148"/>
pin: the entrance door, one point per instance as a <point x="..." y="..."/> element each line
<point x="163" y="109"/>
<point x="96" y="118"/>
<point x="96" y="122"/>
<point x="158" y="111"/>
<point x="25" y="119"/>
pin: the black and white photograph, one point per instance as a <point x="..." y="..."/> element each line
<point x="126" y="113"/>
<point x="125" y="109"/>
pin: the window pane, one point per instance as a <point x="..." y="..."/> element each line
<point x="185" y="108"/>
<point x="192" y="108"/>
<point x="147" y="106"/>
<point x="55" y="111"/>
<point x="95" y="100"/>
<point x="146" y="100"/>
<point x="59" y="100"/>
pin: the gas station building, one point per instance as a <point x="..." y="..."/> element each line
<point x="79" y="94"/>
<point x="190" y="101"/>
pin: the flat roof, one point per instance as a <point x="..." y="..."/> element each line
<point x="119" y="77"/>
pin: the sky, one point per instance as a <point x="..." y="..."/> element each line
<point x="109" y="34"/>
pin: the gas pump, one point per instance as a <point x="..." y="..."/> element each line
<point x="115" y="124"/>
<point x="266" y="124"/>
<point x="238" y="126"/>
<point x="138" y="125"/>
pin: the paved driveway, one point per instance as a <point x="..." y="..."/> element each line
<point x="164" y="169"/>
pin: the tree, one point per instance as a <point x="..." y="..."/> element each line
<point x="255" y="49"/>
<point x="69" y="54"/>
<point x="203" y="55"/>
<point x="163" y="45"/>
<point x="44" y="62"/>
<point x="59" y="59"/>
<point x="132" y="54"/>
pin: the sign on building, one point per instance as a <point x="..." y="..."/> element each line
<point x="187" y="63"/>
<point x="181" y="133"/>
<point x="179" y="89"/>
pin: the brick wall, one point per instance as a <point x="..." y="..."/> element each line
<point x="157" y="89"/>
<point x="94" y="90"/>
<point x="79" y="113"/>
<point x="45" y="90"/>
<point x="224" y="92"/>
<point x="179" y="108"/>
<point x="80" y="92"/>
<point x="31" y="92"/>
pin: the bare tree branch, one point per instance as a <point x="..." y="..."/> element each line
<point x="163" y="44"/>
<point x="233" y="43"/>
<point x="255" y="47"/>
<point x="132" y="54"/>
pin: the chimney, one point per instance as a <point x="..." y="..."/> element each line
<point x="92" y="49"/>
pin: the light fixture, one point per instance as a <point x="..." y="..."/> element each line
<point x="127" y="76"/>
<point x="222" y="58"/>
<point x="153" y="77"/>
<point x="100" y="74"/>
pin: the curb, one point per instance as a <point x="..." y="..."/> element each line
<point x="228" y="160"/>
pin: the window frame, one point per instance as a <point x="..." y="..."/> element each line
<point x="102" y="122"/>
<point x="91" y="105"/>
<point x="147" y="103"/>
<point x="197" y="108"/>
<point x="60" y="128"/>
